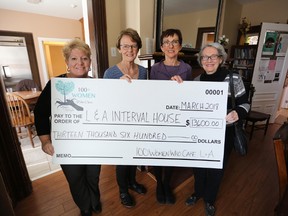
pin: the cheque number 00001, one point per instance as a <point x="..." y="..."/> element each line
<point x="213" y="92"/>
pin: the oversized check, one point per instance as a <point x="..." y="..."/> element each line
<point x="146" y="122"/>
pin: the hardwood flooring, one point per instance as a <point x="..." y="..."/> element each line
<point x="249" y="187"/>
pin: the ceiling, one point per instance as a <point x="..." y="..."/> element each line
<point x="172" y="7"/>
<point x="72" y="9"/>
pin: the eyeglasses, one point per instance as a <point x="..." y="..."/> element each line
<point x="127" y="47"/>
<point x="168" y="43"/>
<point x="212" y="57"/>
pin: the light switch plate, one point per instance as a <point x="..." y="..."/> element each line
<point x="113" y="51"/>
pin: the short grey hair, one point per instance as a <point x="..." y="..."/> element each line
<point x="221" y="52"/>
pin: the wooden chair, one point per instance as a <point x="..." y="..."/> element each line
<point x="280" y="141"/>
<point x="20" y="114"/>
<point x="255" y="116"/>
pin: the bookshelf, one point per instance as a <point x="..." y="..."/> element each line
<point x="243" y="60"/>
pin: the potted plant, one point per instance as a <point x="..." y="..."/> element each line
<point x="244" y="27"/>
<point x="223" y="40"/>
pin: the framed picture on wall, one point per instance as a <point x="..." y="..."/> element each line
<point x="6" y="71"/>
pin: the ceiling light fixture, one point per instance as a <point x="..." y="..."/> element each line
<point x="73" y="5"/>
<point x="34" y="1"/>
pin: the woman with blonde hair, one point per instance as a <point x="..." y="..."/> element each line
<point x="83" y="179"/>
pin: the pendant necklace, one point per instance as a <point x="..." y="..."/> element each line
<point x="126" y="71"/>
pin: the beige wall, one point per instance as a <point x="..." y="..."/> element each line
<point x="114" y="26"/>
<point x="266" y="11"/>
<point x="146" y="25"/>
<point x="136" y="14"/>
<point x="189" y="24"/>
<point x="257" y="12"/>
<point x="232" y="13"/>
<point x="40" y="26"/>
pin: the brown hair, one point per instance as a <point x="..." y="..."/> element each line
<point x="132" y="34"/>
<point x="171" y="32"/>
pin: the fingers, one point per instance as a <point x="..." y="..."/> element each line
<point x="126" y="77"/>
<point x="232" y="117"/>
<point x="177" y="78"/>
<point x="48" y="148"/>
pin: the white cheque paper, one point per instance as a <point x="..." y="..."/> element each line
<point x="105" y="121"/>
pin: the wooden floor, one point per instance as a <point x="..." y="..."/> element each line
<point x="249" y="187"/>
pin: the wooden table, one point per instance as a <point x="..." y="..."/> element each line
<point x="29" y="96"/>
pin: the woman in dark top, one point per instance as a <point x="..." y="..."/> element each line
<point x="169" y="69"/>
<point x="83" y="179"/>
<point x="207" y="180"/>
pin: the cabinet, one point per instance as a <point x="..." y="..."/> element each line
<point x="243" y="57"/>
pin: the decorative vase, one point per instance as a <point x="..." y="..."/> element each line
<point x="243" y="40"/>
<point x="246" y="40"/>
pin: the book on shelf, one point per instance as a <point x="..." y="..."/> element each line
<point x="245" y="53"/>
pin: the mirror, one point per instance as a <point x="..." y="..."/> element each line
<point x="191" y="17"/>
<point x="20" y="57"/>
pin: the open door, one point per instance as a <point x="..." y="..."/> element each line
<point x="270" y="68"/>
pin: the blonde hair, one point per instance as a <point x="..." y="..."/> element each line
<point x="76" y="44"/>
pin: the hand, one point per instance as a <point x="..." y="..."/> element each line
<point x="126" y="77"/>
<point x="232" y="117"/>
<point x="177" y="78"/>
<point x="48" y="148"/>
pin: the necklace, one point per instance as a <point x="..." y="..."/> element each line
<point x="133" y="72"/>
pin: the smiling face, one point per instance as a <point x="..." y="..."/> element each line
<point x="171" y="46"/>
<point x="128" y="49"/>
<point x="78" y="64"/>
<point x="210" y="60"/>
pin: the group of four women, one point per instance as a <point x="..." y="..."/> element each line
<point x="84" y="179"/>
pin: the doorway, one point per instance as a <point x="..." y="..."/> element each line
<point x="204" y="36"/>
<point x="37" y="162"/>
<point x="53" y="63"/>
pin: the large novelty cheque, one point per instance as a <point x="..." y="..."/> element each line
<point x="102" y="121"/>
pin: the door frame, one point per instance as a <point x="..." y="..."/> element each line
<point x="41" y="41"/>
<point x="200" y="33"/>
